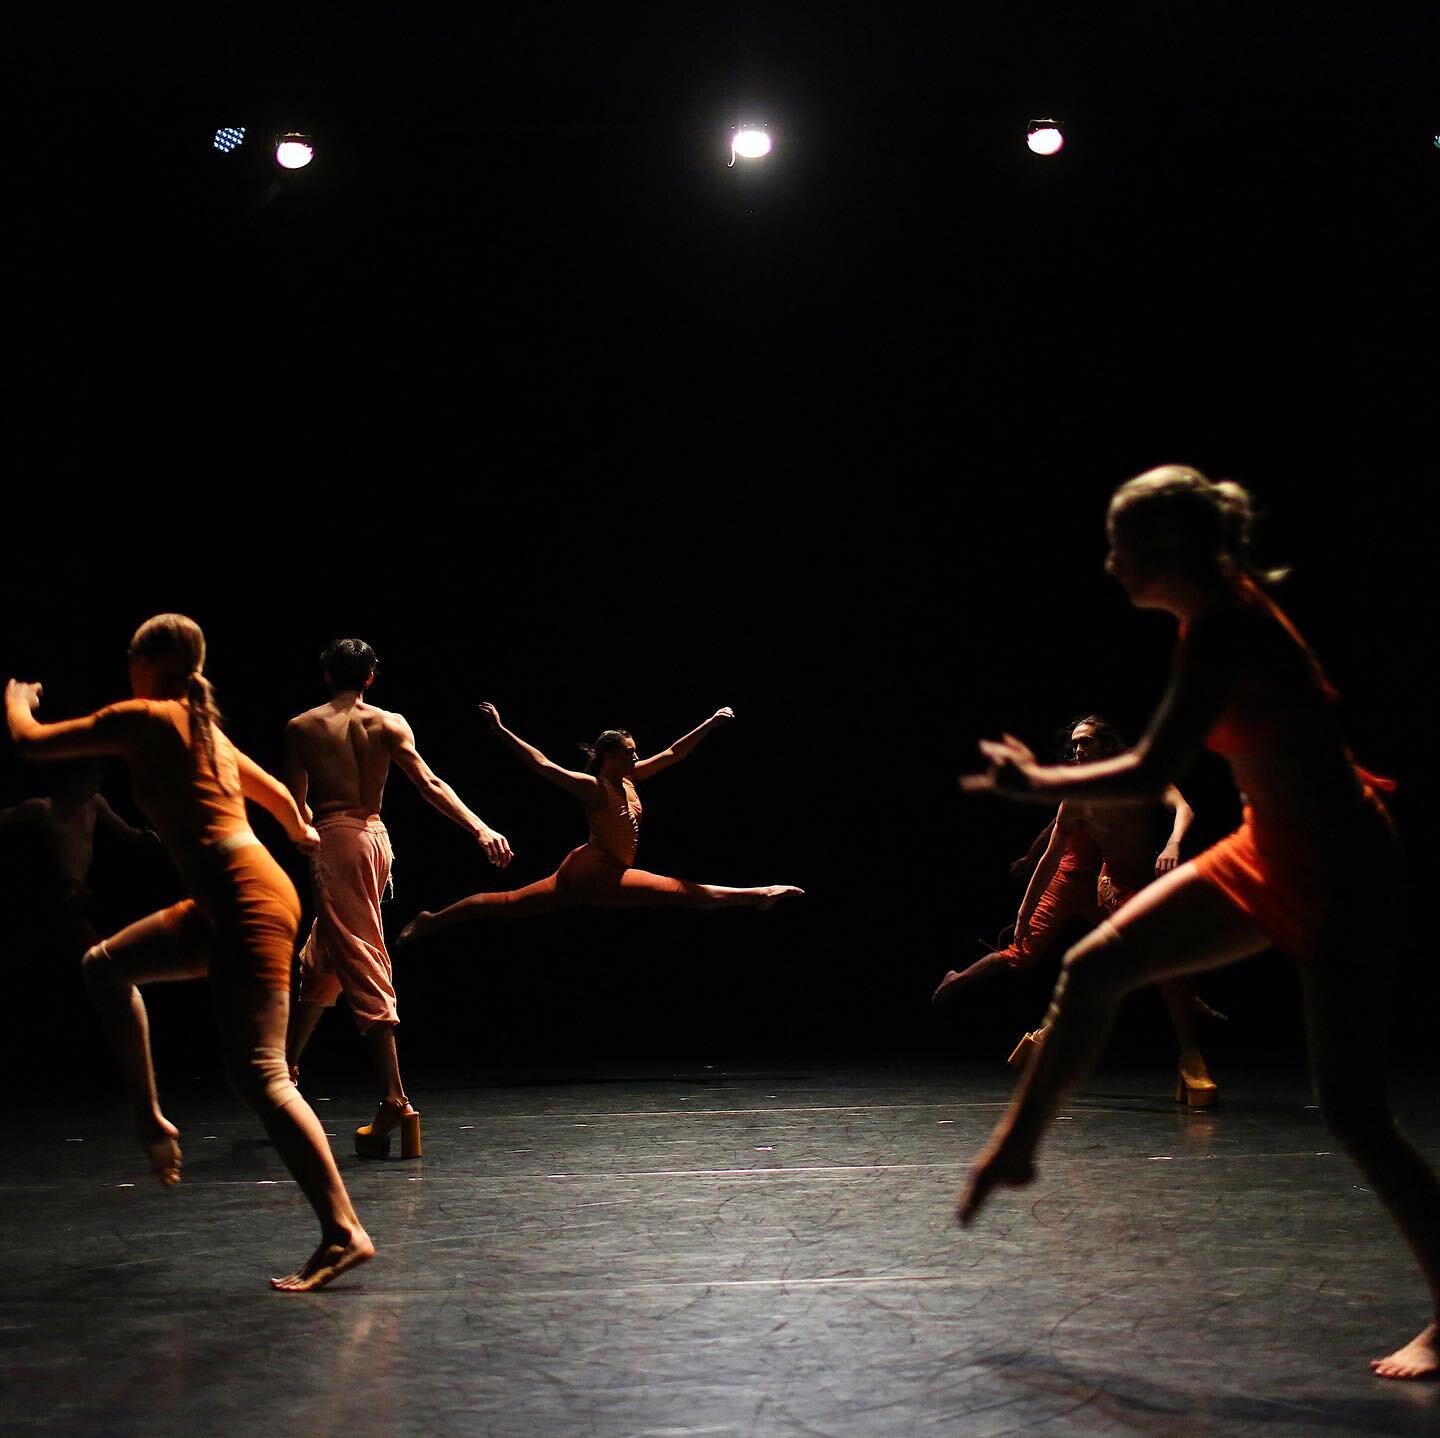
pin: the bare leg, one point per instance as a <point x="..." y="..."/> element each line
<point x="1179" y="925"/>
<point x="957" y="979"/>
<point x="1345" y="1011"/>
<point x="253" y="1020"/>
<point x="380" y="1040"/>
<point x="164" y="947"/>
<point x="542" y="897"/>
<point x="304" y="1020"/>
<point x="638" y="888"/>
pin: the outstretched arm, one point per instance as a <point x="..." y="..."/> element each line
<point x="648" y="768"/>
<point x="1169" y="856"/>
<point x="439" y="795"/>
<point x="271" y="795"/>
<point x="1196" y="695"/>
<point x="297" y="777"/>
<point x="1044" y="872"/>
<point x="583" y="786"/>
<point x="69" y="739"/>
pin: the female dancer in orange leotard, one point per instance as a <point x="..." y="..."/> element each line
<point x="239" y="925"/>
<point x="1314" y="869"/>
<point x="599" y="874"/>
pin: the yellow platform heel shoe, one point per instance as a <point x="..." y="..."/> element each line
<point x="1194" y="1087"/>
<point x="372" y="1140"/>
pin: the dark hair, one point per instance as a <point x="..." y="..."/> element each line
<point x="175" y="645"/>
<point x="1175" y="515"/>
<point x="348" y="663"/>
<point x="609" y="741"/>
<point x="1111" y="740"/>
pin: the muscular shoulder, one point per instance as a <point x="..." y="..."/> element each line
<point x="393" y="725"/>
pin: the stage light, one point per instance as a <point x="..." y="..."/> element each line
<point x="1044" y="137"/>
<point x="293" y="151"/>
<point x="231" y="137"/>
<point x="749" y="143"/>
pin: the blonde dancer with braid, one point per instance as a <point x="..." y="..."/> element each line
<point x="238" y="926"/>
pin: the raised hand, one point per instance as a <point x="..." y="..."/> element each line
<point x="490" y="714"/>
<point x="1011" y="771"/>
<point x="722" y="716"/>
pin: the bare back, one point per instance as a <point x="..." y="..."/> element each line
<point x="344" y="748"/>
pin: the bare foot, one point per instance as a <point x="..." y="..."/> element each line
<point x="417" y="928"/>
<point x="160" y="1140"/>
<point x="945" y="989"/>
<point x="774" y="893"/>
<point x="995" y="1168"/>
<point x="1420" y="1358"/>
<point x="328" y="1262"/>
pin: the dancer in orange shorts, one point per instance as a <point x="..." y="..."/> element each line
<point x="600" y="873"/>
<point x="1314" y="869"/>
<point x="238" y="926"/>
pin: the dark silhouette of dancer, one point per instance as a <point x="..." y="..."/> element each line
<point x="1314" y="868"/>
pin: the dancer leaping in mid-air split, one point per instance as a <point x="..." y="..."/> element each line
<point x="600" y="873"/>
<point x="1314" y="869"/>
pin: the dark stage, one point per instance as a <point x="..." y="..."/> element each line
<point x="522" y="385"/>
<point x="721" y="1252"/>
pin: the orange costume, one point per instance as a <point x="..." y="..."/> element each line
<point x="598" y="874"/>
<point x="245" y="910"/>
<point x="1069" y="896"/>
<point x="346" y="947"/>
<point x="1312" y="867"/>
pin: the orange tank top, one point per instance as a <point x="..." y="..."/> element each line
<point x="191" y="808"/>
<point x="615" y="822"/>
<point x="1279" y="695"/>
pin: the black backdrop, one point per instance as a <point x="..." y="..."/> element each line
<point x="519" y="382"/>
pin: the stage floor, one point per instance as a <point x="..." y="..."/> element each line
<point x="717" y="1253"/>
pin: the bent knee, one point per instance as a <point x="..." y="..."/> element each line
<point x="261" y="1078"/>
<point x="97" y="967"/>
<point x="1098" y="960"/>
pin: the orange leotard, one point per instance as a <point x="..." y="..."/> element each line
<point x="244" y="909"/>
<point x="1315" y="849"/>
<point x="1069" y="896"/>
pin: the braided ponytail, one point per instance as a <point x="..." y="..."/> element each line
<point x="205" y="717"/>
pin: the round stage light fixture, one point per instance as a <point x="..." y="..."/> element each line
<point x="1045" y="137"/>
<point x="294" y="151"/>
<point x="229" y="138"/>
<point x="749" y="143"/>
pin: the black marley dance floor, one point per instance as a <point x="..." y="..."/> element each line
<point x="716" y="1253"/>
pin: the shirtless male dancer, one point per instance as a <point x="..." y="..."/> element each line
<point x="337" y="758"/>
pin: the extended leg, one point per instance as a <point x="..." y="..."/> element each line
<point x="542" y="897"/>
<point x="1345" y="1012"/>
<point x="252" y="1019"/>
<point x="166" y="946"/>
<point x="637" y="888"/>
<point x="1179" y="925"/>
